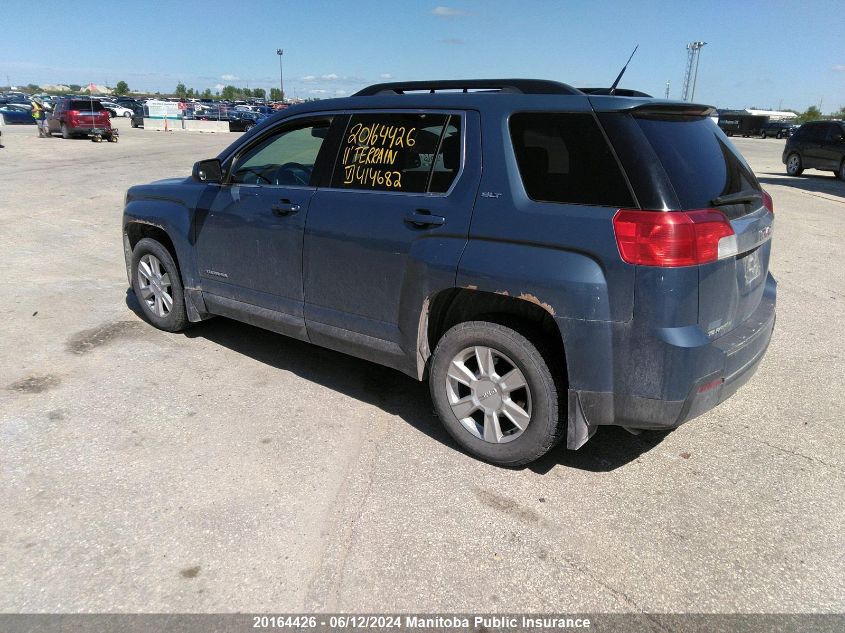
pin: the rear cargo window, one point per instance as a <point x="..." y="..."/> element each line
<point x="698" y="158"/>
<point x="85" y="104"/>
<point x="565" y="158"/>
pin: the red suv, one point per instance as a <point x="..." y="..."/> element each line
<point x="73" y="116"/>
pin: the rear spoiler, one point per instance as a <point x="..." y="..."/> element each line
<point x="649" y="107"/>
<point x="617" y="92"/>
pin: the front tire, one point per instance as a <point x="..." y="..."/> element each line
<point x="158" y="286"/>
<point x="841" y="173"/>
<point x="496" y="394"/>
<point x="126" y="115"/>
<point x="793" y="165"/>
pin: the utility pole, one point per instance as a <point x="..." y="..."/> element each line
<point x="281" y="52"/>
<point x="668" y="83"/>
<point x="691" y="72"/>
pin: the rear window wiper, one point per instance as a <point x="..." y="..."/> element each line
<point x="749" y="195"/>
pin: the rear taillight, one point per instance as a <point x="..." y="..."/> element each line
<point x="73" y="112"/>
<point x="673" y="238"/>
<point x="768" y="203"/>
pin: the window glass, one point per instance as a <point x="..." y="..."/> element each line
<point x="389" y="152"/>
<point x="565" y="158"/>
<point x="700" y="161"/>
<point x="815" y="132"/>
<point x="85" y="104"/>
<point x="285" y="159"/>
<point x="447" y="163"/>
<point x="834" y="132"/>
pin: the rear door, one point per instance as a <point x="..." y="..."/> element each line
<point x="700" y="167"/>
<point x="812" y="140"/>
<point x="833" y="147"/>
<point x="399" y="201"/>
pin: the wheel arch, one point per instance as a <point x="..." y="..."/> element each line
<point x="136" y="230"/>
<point x="451" y="306"/>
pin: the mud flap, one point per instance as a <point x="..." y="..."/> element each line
<point x="578" y="430"/>
<point x="195" y="305"/>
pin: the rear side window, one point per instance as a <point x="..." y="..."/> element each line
<point x="85" y="104"/>
<point x="408" y="153"/>
<point x="700" y="161"/>
<point x="565" y="158"/>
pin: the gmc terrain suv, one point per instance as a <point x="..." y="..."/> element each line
<point x="550" y="260"/>
<point x="816" y="145"/>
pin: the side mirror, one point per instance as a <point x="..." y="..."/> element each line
<point x="210" y="171"/>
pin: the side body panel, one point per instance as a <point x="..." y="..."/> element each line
<point x="562" y="257"/>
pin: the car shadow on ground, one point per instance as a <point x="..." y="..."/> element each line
<point x="394" y="392"/>
<point x="813" y="182"/>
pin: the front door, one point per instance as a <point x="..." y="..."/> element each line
<point x="392" y="223"/>
<point x="249" y="236"/>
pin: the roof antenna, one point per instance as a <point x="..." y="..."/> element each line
<point x="622" y="72"/>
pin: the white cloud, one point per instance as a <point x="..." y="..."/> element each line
<point x="840" y="68"/>
<point x="386" y="76"/>
<point x="309" y="78"/>
<point x="447" y="12"/>
<point x="318" y="91"/>
<point x="219" y="86"/>
<point x="329" y="77"/>
<point x="229" y="77"/>
<point x="340" y="92"/>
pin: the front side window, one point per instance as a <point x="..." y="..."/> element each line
<point x="285" y="159"/>
<point x="565" y="158"/>
<point x="408" y="153"/>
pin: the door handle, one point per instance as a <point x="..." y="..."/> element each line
<point x="285" y="207"/>
<point x="420" y="218"/>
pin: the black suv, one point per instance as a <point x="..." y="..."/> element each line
<point x="778" y="129"/>
<point x="607" y="266"/>
<point x="816" y="145"/>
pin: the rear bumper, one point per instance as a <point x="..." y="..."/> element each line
<point x="725" y="363"/>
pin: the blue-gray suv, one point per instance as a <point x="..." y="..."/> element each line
<point x="551" y="260"/>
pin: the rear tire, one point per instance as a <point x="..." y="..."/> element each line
<point x="158" y="286"/>
<point x="509" y="418"/>
<point x="65" y="131"/>
<point x="794" y="166"/>
<point x="126" y="115"/>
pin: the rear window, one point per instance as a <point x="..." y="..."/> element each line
<point x="565" y="158"/>
<point x="85" y="104"/>
<point x="700" y="161"/>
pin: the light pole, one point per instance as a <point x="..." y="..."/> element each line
<point x="698" y="46"/>
<point x="280" y="52"/>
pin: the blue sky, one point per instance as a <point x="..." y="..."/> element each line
<point x="764" y="54"/>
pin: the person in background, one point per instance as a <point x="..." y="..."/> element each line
<point x="40" y="118"/>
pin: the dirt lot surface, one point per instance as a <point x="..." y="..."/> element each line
<point x="230" y="469"/>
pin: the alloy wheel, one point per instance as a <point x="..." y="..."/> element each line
<point x="155" y="286"/>
<point x="488" y="394"/>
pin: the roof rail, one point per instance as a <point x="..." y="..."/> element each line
<point x="517" y="86"/>
<point x="618" y="92"/>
